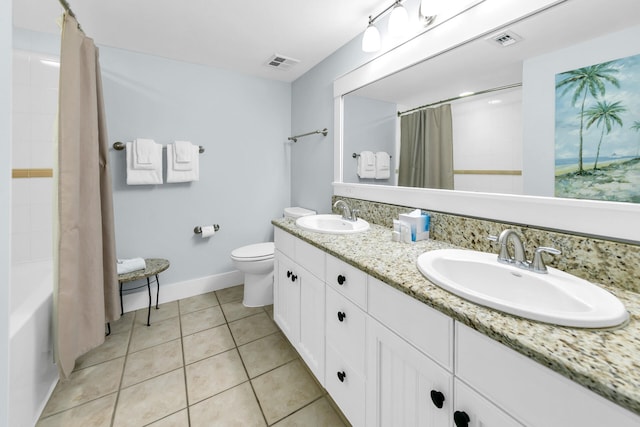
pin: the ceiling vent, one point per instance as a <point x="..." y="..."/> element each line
<point x="505" y="38"/>
<point x="281" y="62"/>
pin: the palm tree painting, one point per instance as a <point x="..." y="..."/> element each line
<point x="596" y="138"/>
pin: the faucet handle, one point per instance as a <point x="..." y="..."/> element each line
<point x="538" y="265"/>
<point x="492" y="238"/>
<point x="354" y="214"/>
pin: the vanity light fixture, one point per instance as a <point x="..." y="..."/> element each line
<point x="398" y="25"/>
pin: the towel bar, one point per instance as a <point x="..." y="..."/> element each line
<point x="295" y="137"/>
<point x="355" y="155"/>
<point x="121" y="146"/>
<point x="198" y="229"/>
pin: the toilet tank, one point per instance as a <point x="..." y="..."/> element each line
<point x="297" y="212"/>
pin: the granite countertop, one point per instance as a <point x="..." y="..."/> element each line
<point x="606" y="361"/>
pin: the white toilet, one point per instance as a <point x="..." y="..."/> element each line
<point x="256" y="262"/>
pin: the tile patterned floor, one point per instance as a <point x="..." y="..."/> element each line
<point x="204" y="361"/>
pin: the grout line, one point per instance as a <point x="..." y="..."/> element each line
<point x="124" y="366"/>
<point x="184" y="366"/>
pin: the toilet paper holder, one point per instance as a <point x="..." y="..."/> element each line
<point x="198" y="229"/>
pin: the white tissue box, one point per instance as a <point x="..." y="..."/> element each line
<point x="419" y="223"/>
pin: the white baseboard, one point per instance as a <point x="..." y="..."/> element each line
<point x="179" y="290"/>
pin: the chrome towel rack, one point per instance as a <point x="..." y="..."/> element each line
<point x="198" y="229"/>
<point x="295" y="138"/>
<point x="356" y="155"/>
<point x="119" y="146"/>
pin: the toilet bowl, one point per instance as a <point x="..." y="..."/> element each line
<point x="256" y="262"/>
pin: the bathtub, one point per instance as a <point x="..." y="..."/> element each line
<point x="32" y="373"/>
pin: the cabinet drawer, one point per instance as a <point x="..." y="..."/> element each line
<point x="422" y="326"/>
<point x="346" y="328"/>
<point x="347" y="280"/>
<point x="348" y="389"/>
<point x="528" y="391"/>
<point x="310" y="258"/>
<point x="284" y="242"/>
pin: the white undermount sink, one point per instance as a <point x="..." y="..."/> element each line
<point x="331" y="224"/>
<point x="557" y="297"/>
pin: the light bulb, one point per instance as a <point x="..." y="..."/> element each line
<point x="371" y="39"/>
<point x="398" y="21"/>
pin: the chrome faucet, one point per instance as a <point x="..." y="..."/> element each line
<point x="518" y="258"/>
<point x="348" y="214"/>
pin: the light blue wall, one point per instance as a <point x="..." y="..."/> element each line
<point x="369" y="125"/>
<point x="5" y="202"/>
<point x="243" y="122"/>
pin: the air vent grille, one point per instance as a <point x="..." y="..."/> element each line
<point x="281" y="62"/>
<point x="505" y="38"/>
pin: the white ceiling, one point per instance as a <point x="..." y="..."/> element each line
<point x="234" y="35"/>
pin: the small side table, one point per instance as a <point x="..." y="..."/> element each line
<point x="154" y="266"/>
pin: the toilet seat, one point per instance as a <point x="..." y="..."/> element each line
<point x="255" y="252"/>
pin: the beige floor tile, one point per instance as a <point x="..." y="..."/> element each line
<point x="235" y="310"/>
<point x="96" y="413"/>
<point x="151" y="362"/>
<point x="179" y="419"/>
<point x="251" y="328"/>
<point x="207" y="343"/>
<point x="124" y="323"/>
<point x="236" y="407"/>
<point x="198" y="302"/>
<point x="114" y="346"/>
<point x="269" y="310"/>
<point x="266" y="353"/>
<point x="214" y="375"/>
<point x="285" y="390"/>
<point x="200" y="320"/>
<point x="234" y="293"/>
<point x="151" y="400"/>
<point x="158" y="333"/>
<point x="318" y="414"/>
<point x="164" y="311"/>
<point x="85" y="385"/>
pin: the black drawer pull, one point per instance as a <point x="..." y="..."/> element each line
<point x="294" y="277"/>
<point x="461" y="419"/>
<point x="342" y="376"/>
<point x="341" y="279"/>
<point x="341" y="316"/>
<point x="437" y="398"/>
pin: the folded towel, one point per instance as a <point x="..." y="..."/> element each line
<point x="144" y="176"/>
<point x="366" y="165"/>
<point x="382" y="165"/>
<point x="143" y="153"/>
<point x="128" y="265"/>
<point x="176" y="175"/>
<point x="183" y="155"/>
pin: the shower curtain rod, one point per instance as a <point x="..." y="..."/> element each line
<point x="482" y="92"/>
<point x="67" y="8"/>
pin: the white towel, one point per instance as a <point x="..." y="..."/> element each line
<point x="183" y="156"/>
<point x="382" y="165"/>
<point x="144" y="176"/>
<point x="177" y="175"/>
<point x="128" y="265"/>
<point x="366" y="165"/>
<point x="143" y="150"/>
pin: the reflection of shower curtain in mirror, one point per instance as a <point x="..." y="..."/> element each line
<point x="86" y="284"/>
<point x="426" y="149"/>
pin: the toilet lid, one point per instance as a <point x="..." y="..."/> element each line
<point x="256" y="251"/>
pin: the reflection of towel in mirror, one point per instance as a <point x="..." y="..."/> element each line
<point x="367" y="165"/>
<point x="177" y="171"/>
<point x="382" y="165"/>
<point x="142" y="176"/>
<point x="128" y="265"/>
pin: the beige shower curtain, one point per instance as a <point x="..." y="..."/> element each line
<point x="426" y="149"/>
<point x="86" y="290"/>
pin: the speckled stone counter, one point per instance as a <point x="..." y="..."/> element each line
<point x="605" y="361"/>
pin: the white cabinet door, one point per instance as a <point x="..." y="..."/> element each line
<point x="286" y="297"/>
<point x="404" y="387"/>
<point x="473" y="410"/>
<point x="311" y="344"/>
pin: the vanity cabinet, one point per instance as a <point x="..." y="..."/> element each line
<point x="299" y="298"/>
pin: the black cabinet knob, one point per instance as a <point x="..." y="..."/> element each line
<point x="294" y="277"/>
<point x="341" y="316"/>
<point x="461" y="419"/>
<point x="289" y="273"/>
<point x="341" y="279"/>
<point x="437" y="398"/>
<point x="342" y="376"/>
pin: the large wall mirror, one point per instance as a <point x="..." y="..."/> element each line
<point x="504" y="135"/>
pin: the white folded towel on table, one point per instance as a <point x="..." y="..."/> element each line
<point x="178" y="171"/>
<point x="128" y="265"/>
<point x="366" y="165"/>
<point x="144" y="173"/>
<point x="383" y="161"/>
